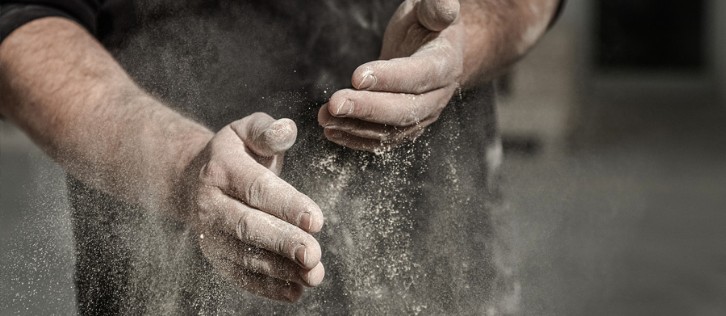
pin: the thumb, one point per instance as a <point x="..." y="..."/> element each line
<point x="436" y="15"/>
<point x="266" y="136"/>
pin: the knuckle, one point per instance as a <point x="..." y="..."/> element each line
<point x="259" y="116"/>
<point x="206" y="219"/>
<point x="256" y="263"/>
<point x="242" y="277"/>
<point x="254" y="190"/>
<point x="417" y="30"/>
<point x="244" y="225"/>
<point x="212" y="172"/>
<point x="203" y="203"/>
<point x="366" y="112"/>
<point x="287" y="241"/>
<point x="257" y="187"/>
<point x="207" y="212"/>
<point x="262" y="266"/>
<point x="281" y="246"/>
<point x="237" y="125"/>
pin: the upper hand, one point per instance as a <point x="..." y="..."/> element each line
<point x="254" y="227"/>
<point x="396" y="97"/>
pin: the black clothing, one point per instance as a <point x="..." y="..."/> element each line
<point x="100" y="17"/>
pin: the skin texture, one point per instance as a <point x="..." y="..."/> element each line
<point x="431" y="49"/>
<point x="245" y="211"/>
<point x="61" y="87"/>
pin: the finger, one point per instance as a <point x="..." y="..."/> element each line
<point x="432" y="67"/>
<point x="265" y="231"/>
<point x="358" y="143"/>
<point x="260" y="188"/>
<point x="368" y="130"/>
<point x="260" y="261"/>
<point x="264" y="135"/>
<point x="258" y="284"/>
<point x="395" y="109"/>
<point x="437" y="15"/>
<point x="265" y="286"/>
<point x="267" y="192"/>
<point x="352" y="141"/>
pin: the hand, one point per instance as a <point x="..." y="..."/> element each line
<point x="254" y="227"/>
<point x="395" y="98"/>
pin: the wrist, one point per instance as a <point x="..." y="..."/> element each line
<point x="499" y="34"/>
<point x="167" y="143"/>
<point x="185" y="172"/>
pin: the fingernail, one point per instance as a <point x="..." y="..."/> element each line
<point x="368" y="82"/>
<point x="314" y="276"/>
<point x="300" y="254"/>
<point x="346" y="108"/>
<point x="304" y="222"/>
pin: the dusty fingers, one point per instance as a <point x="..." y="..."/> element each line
<point x="235" y="173"/>
<point x="266" y="136"/>
<point x="224" y="247"/>
<point x="254" y="227"/>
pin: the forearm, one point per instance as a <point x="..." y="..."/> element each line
<point x="69" y="95"/>
<point x="499" y="32"/>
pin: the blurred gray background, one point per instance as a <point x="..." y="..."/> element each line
<point x="614" y="132"/>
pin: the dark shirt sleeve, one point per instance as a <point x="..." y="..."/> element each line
<point x="15" y="13"/>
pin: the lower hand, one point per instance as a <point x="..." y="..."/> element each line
<point x="254" y="227"/>
<point x="395" y="98"/>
